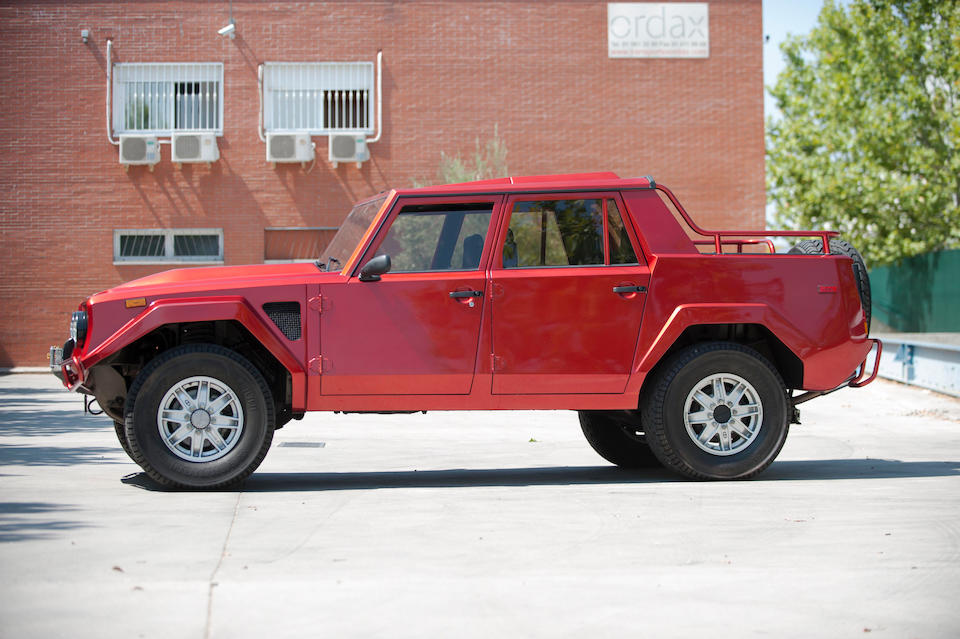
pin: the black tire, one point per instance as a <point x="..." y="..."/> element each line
<point x="247" y="401"/>
<point x="672" y="395"/>
<point x="118" y="428"/>
<point x="839" y="247"/>
<point x="618" y="438"/>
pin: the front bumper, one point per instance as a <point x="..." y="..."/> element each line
<point x="67" y="369"/>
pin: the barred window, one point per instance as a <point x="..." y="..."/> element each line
<point x="160" y="98"/>
<point x="149" y="246"/>
<point x="318" y="97"/>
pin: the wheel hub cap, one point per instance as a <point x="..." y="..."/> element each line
<point x="200" y="418"/>
<point x="722" y="414"/>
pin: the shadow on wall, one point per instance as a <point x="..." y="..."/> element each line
<point x="317" y="207"/>
<point x="921" y="294"/>
<point x="202" y="197"/>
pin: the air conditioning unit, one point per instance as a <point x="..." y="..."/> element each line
<point x="139" y="149"/>
<point x="289" y="147"/>
<point x="348" y="147"/>
<point x="194" y="147"/>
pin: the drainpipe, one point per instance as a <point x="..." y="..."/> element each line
<point x="260" y="102"/>
<point x="376" y="138"/>
<point x="109" y="92"/>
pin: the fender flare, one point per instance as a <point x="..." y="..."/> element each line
<point x="203" y="309"/>
<point x="687" y="315"/>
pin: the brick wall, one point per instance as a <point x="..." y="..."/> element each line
<point x="452" y="71"/>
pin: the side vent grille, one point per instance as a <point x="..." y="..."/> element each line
<point x="286" y="315"/>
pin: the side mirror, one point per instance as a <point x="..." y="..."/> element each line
<point x="373" y="269"/>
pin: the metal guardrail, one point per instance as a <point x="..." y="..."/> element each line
<point x="912" y="359"/>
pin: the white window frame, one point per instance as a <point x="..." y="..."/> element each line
<point x="161" y="95"/>
<point x="342" y="83"/>
<point x="169" y="256"/>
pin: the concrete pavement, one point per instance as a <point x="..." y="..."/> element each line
<point x="483" y="524"/>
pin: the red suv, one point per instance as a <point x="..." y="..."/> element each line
<point x="677" y="345"/>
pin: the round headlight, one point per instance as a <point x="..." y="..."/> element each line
<point x="78" y="327"/>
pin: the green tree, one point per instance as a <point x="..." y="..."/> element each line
<point x="487" y="162"/>
<point x="868" y="138"/>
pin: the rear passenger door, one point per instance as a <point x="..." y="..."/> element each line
<point x="569" y="285"/>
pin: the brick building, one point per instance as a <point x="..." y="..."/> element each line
<point x="545" y="75"/>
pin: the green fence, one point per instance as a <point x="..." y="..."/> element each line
<point x="919" y="295"/>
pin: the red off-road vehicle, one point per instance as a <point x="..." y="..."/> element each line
<point x="585" y="292"/>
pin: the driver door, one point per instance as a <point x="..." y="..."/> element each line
<point x="416" y="330"/>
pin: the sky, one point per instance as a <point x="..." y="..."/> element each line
<point x="780" y="18"/>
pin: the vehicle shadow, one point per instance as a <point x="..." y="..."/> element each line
<point x="804" y="470"/>
<point x="867" y="468"/>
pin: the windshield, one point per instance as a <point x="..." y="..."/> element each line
<point x="349" y="235"/>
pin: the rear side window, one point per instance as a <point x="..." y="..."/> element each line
<point x="567" y="233"/>
<point x="438" y="237"/>
<point x="555" y="233"/>
<point x="621" y="251"/>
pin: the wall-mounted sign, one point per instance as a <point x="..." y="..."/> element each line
<point x="658" y="30"/>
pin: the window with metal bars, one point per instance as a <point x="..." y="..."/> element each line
<point x="146" y="246"/>
<point x="160" y="98"/>
<point x="318" y="97"/>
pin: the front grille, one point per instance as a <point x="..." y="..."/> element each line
<point x="286" y="315"/>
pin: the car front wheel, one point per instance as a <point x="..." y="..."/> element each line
<point x="199" y="416"/>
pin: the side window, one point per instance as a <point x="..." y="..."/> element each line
<point x="621" y="252"/>
<point x="554" y="233"/>
<point x="438" y="237"/>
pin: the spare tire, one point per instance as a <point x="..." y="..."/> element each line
<point x="839" y="247"/>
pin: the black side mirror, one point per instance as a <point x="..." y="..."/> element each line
<point x="373" y="269"/>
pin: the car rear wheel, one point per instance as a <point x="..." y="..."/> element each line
<point x="716" y="411"/>
<point x="199" y="416"/>
<point x="617" y="437"/>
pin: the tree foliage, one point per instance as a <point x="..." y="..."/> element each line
<point x="487" y="161"/>
<point x="867" y="143"/>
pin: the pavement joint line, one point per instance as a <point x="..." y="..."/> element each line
<point x="213" y="575"/>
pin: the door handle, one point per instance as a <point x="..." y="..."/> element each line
<point x="460" y="294"/>
<point x="629" y="289"/>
